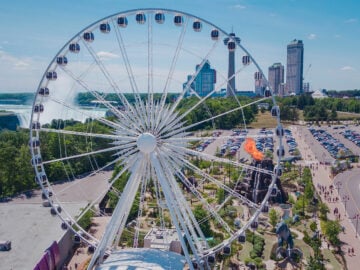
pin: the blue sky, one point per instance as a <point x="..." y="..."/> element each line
<point x="31" y="33"/>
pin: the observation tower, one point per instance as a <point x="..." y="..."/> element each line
<point x="231" y="42"/>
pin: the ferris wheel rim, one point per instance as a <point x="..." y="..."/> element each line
<point x="152" y="10"/>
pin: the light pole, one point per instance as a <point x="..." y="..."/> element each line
<point x="338" y="186"/>
<point x="345" y="200"/>
<point x="357" y="217"/>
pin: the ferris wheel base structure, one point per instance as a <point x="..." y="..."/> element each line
<point x="143" y="258"/>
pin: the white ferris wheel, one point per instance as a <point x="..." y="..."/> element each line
<point x="139" y="73"/>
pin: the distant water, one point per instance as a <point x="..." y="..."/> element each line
<point x="23" y="113"/>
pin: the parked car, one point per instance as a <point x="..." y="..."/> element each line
<point x="5" y="245"/>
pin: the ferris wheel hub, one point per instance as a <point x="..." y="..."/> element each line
<point x="146" y="143"/>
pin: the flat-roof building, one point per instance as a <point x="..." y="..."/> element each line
<point x="164" y="239"/>
<point x="294" y="67"/>
<point x="276" y="77"/>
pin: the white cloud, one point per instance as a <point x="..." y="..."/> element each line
<point x="337" y="36"/>
<point x="351" y="20"/>
<point x="239" y="6"/>
<point x="312" y="36"/>
<point x="107" y="55"/>
<point x="347" y="68"/>
<point x="21" y="65"/>
<point x="20" y="73"/>
<point x="14" y="62"/>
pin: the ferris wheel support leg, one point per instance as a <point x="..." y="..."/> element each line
<point x="175" y="217"/>
<point x="119" y="216"/>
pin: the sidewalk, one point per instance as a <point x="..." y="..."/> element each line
<point x="321" y="177"/>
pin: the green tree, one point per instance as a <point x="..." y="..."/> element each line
<point x="332" y="230"/>
<point x="324" y="210"/>
<point x="201" y="214"/>
<point x="273" y="217"/>
<point x="315" y="264"/>
<point x="333" y="114"/>
<point x="220" y="195"/>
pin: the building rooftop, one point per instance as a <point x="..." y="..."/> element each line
<point x="161" y="238"/>
<point x="31" y="228"/>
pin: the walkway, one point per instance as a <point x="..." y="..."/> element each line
<point x="321" y="177"/>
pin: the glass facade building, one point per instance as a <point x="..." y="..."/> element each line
<point x="276" y="77"/>
<point x="294" y="67"/>
<point x="204" y="82"/>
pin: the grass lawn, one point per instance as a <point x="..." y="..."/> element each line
<point x="346" y="115"/>
<point x="270" y="240"/>
<point x="263" y="120"/>
<point x="305" y="249"/>
<point x="245" y="252"/>
<point x="330" y="259"/>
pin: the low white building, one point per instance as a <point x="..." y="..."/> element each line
<point x="163" y="239"/>
<point x="319" y="94"/>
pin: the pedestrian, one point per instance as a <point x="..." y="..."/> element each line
<point x="349" y="251"/>
<point x="76" y="266"/>
<point x="352" y="251"/>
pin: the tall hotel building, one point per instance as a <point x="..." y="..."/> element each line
<point x="294" y="68"/>
<point x="276" y="78"/>
<point x="204" y="82"/>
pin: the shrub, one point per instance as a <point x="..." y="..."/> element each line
<point x="313" y="226"/>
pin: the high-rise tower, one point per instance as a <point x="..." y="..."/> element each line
<point x="276" y="77"/>
<point x="294" y="68"/>
<point x="231" y="44"/>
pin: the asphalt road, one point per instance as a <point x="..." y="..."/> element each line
<point x="349" y="191"/>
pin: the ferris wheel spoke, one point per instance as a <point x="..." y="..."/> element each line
<point x="171" y="133"/>
<point x="88" y="134"/>
<point x="187" y="87"/>
<point x="186" y="151"/>
<point x="88" y="153"/>
<point x="97" y="118"/>
<point x="220" y="137"/>
<point x="171" y="70"/>
<point x="125" y="119"/>
<point x="219" y="184"/>
<point x="198" y="195"/>
<point x="159" y="197"/>
<point x="170" y="125"/>
<point x="107" y="75"/>
<point x="150" y="65"/>
<point x="129" y="71"/>
<point x="120" y="214"/>
<point x="144" y="183"/>
<point x="184" y="206"/>
<point x="174" y="210"/>
<point x="230" y="191"/>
